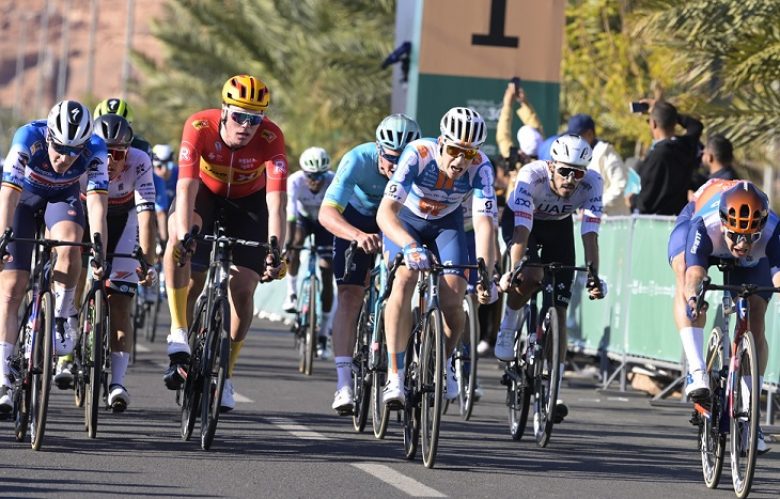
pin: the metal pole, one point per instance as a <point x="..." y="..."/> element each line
<point x="41" y="62"/>
<point x="128" y="46"/>
<point x="62" y="74"/>
<point x="93" y="21"/>
<point x="24" y="18"/>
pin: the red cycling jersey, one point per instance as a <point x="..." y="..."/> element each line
<point x="227" y="172"/>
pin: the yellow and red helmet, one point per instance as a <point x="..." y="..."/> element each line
<point x="246" y="92"/>
<point x="744" y="209"/>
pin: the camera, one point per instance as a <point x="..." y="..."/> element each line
<point x="639" y="107"/>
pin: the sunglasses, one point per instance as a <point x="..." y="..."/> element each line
<point x="736" y="237"/>
<point x="565" y="171"/>
<point x="117" y="154"/>
<point x="456" y="151"/>
<point x="316" y="177"/>
<point x="66" y="150"/>
<point x="246" y="118"/>
<point x="389" y="157"/>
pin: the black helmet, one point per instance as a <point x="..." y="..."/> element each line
<point x="114" y="129"/>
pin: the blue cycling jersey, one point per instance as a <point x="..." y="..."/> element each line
<point x="165" y="190"/>
<point x="27" y="166"/>
<point x="358" y="181"/>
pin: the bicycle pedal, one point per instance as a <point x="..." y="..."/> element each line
<point x="118" y="407"/>
<point x="394" y="405"/>
<point x="346" y="410"/>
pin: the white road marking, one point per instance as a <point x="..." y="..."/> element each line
<point x="241" y="398"/>
<point x="142" y="348"/>
<point x="618" y="399"/>
<point x="398" y="480"/>
<point x="297" y="430"/>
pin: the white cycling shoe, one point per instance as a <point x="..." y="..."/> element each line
<point x="118" y="398"/>
<point x="343" y="401"/>
<point x="394" y="395"/>
<point x="505" y="345"/>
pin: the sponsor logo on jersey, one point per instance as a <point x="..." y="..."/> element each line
<point x="423" y="151"/>
<point x="523" y="202"/>
<point x="218" y="146"/>
<point x="554" y="209"/>
<point x="268" y="135"/>
<point x="198" y="124"/>
<point x="523" y="214"/>
<point x="184" y="153"/>
<point x="280" y="166"/>
<point x="592" y="220"/>
<point x="37" y="146"/>
<point x="696" y="243"/>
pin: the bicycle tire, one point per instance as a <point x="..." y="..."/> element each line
<point x="214" y="369"/>
<point x="79" y="359"/>
<point x="519" y="382"/>
<point x="21" y="411"/>
<point x="151" y="323"/>
<point x="411" y="411"/>
<point x="380" y="416"/>
<point x="743" y="466"/>
<point x="546" y="386"/>
<point x="712" y="441"/>
<point x="467" y="371"/>
<point x="43" y="358"/>
<point x="361" y="377"/>
<point x="95" y="361"/>
<point x="301" y="326"/>
<point x="191" y="390"/>
<point x="431" y="369"/>
<point x="311" y="331"/>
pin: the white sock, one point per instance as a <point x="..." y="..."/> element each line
<point x="177" y="341"/>
<point x="63" y="302"/>
<point x="119" y="362"/>
<point x="343" y="372"/>
<point x="693" y="345"/>
<point x="511" y="318"/>
<point x="6" y="350"/>
<point x="292" y="284"/>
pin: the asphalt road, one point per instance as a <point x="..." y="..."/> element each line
<point x="283" y="440"/>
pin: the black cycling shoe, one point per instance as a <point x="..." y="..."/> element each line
<point x="560" y="412"/>
<point x="176" y="374"/>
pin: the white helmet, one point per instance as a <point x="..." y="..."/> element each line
<point x="162" y="153"/>
<point x="464" y="127"/>
<point x="572" y="150"/>
<point x="69" y="123"/>
<point x="397" y="130"/>
<point x="315" y="160"/>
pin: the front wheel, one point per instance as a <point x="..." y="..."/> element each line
<point x="380" y="416"/>
<point x="42" y="360"/>
<point x="432" y="385"/>
<point x="191" y="391"/>
<point x="745" y="394"/>
<point x="361" y="377"/>
<point x="712" y="441"/>
<point x="95" y="351"/>
<point x="547" y="378"/>
<point x="214" y="369"/>
<point x="411" y="415"/>
<point x="22" y="384"/>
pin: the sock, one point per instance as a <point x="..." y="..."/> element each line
<point x="177" y="301"/>
<point x="292" y="284"/>
<point x="693" y="345"/>
<point x="6" y="350"/>
<point x="235" y="349"/>
<point x="326" y="324"/>
<point x="119" y="362"/>
<point x="63" y="302"/>
<point x="395" y="362"/>
<point x="343" y="372"/>
<point x="511" y="319"/>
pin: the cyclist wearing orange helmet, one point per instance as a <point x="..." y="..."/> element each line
<point x="230" y="160"/>
<point x="728" y="220"/>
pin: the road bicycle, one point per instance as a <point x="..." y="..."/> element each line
<point x="733" y="409"/>
<point x="209" y="334"/>
<point x="305" y="325"/>
<point x="145" y="316"/>
<point x="535" y="372"/>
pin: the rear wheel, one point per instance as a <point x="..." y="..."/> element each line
<point x="466" y="363"/>
<point x="432" y="385"/>
<point x="547" y="378"/>
<point x="712" y="441"/>
<point x="22" y="390"/>
<point x="214" y="370"/>
<point x="311" y="331"/>
<point x="411" y="415"/>
<point x="191" y="391"/>
<point x="42" y="360"/>
<point x="519" y="384"/>
<point x="95" y="360"/>
<point x="744" y="416"/>
<point x="380" y="416"/>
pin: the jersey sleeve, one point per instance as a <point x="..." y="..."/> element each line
<point x="592" y="207"/>
<point x="292" y="199"/>
<point x="773" y="251"/>
<point x="521" y="199"/>
<point x="698" y="245"/>
<point x="276" y="164"/>
<point x="97" y="169"/>
<point x="400" y="184"/>
<point x="16" y="161"/>
<point x="342" y="187"/>
<point x="189" y="151"/>
<point x="145" y="191"/>
<point x="484" y="200"/>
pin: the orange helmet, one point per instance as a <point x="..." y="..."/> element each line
<point x="744" y="209"/>
<point x="246" y="92"/>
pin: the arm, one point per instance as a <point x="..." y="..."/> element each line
<point x="97" y="207"/>
<point x="693" y="127"/>
<point x="186" y="191"/>
<point x="391" y="227"/>
<point x="615" y="174"/>
<point x="519" y="244"/>
<point x="504" y="126"/>
<point x="590" y="243"/>
<point x="9" y="198"/>
<point x="485" y="234"/>
<point x="277" y="201"/>
<point x="146" y="235"/>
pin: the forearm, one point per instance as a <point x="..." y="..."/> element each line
<point x="504" y="129"/>
<point x="290" y="232"/>
<point x="186" y="191"/>
<point x="590" y="243"/>
<point x="485" y="237"/>
<point x="336" y="224"/>
<point x="146" y="235"/>
<point x="9" y="198"/>
<point x="693" y="278"/>
<point x="277" y="214"/>
<point x="97" y="207"/>
<point x="528" y="116"/>
<point x="519" y="244"/>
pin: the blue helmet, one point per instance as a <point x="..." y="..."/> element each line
<point x="397" y="130"/>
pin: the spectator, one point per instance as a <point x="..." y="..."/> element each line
<point x="527" y="115"/>
<point x="718" y="157"/>
<point x="667" y="169"/>
<point x="606" y="161"/>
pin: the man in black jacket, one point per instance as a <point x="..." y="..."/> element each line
<point x="666" y="170"/>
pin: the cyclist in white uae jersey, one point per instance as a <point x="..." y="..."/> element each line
<point x="546" y="195"/>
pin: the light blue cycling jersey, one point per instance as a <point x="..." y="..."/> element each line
<point x="358" y="181"/>
<point x="27" y="166"/>
<point x="423" y="188"/>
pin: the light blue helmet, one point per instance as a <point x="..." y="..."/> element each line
<point x="397" y="130"/>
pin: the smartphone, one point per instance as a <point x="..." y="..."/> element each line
<point x="516" y="82"/>
<point x="639" y="107"/>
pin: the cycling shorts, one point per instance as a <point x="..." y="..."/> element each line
<point x="679" y="233"/>
<point x="362" y="262"/>
<point x="323" y="239"/>
<point x="553" y="241"/>
<point x="122" y="238"/>
<point x="444" y="236"/>
<point x="63" y="206"/>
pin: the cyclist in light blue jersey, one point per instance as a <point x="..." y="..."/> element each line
<point x="349" y="213"/>
<point x="421" y="212"/>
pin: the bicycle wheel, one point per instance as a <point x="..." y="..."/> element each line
<point x="214" y="369"/>
<point x="744" y="415"/>
<point x="21" y="412"/>
<point x="151" y="320"/>
<point x="712" y="442"/>
<point x="95" y="360"/>
<point x="301" y="325"/>
<point x="518" y="385"/>
<point x="380" y="416"/>
<point x="431" y="369"/>
<point x="411" y="415"/>
<point x="466" y="363"/>
<point x="361" y="377"/>
<point x="547" y="378"/>
<point x="190" y="403"/>
<point x="42" y="360"/>
<point x="311" y="331"/>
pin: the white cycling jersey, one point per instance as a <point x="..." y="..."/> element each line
<point x="533" y="198"/>
<point x="133" y="188"/>
<point x="301" y="201"/>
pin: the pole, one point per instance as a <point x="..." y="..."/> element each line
<point x="93" y="22"/>
<point x="128" y="46"/>
<point x="62" y="73"/>
<point x="41" y="62"/>
<point x="24" y="18"/>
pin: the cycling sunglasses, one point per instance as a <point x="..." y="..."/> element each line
<point x="456" y="151"/>
<point x="389" y="157"/>
<point x="246" y="118"/>
<point x="117" y="154"/>
<point x="565" y="171"/>
<point x="316" y="176"/>
<point x="736" y="237"/>
<point x="66" y="150"/>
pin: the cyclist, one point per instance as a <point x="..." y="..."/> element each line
<point x="546" y="195"/>
<point x="728" y="219"/>
<point x="41" y="172"/>
<point x="121" y="107"/>
<point x="165" y="175"/>
<point x="231" y="159"/>
<point x="422" y="206"/>
<point x="305" y="191"/>
<point x="349" y="213"/>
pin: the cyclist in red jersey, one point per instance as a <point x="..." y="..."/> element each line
<point x="232" y="160"/>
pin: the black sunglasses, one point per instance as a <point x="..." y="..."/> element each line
<point x="249" y="118"/>
<point x="66" y="150"/>
<point x="316" y="176"/>
<point x="565" y="171"/>
<point x="389" y="157"/>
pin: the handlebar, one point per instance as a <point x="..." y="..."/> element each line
<point x="555" y="267"/>
<point x="743" y="290"/>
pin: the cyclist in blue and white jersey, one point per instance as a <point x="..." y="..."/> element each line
<point x="546" y="195"/>
<point x="165" y="174"/>
<point x="349" y="213"/>
<point x="421" y="212"/>
<point x="305" y="192"/>
<point x="41" y="172"/>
